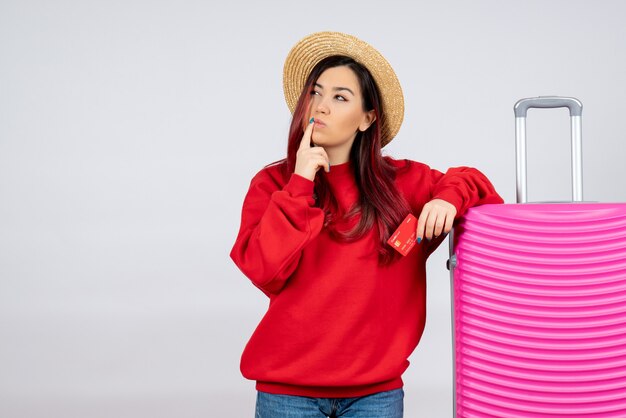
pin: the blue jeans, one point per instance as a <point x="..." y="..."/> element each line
<point x="388" y="404"/>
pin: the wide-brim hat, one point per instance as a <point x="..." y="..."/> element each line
<point x="315" y="47"/>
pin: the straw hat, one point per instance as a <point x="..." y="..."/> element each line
<point x="317" y="46"/>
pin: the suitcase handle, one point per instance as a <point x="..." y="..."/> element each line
<point x="548" y="102"/>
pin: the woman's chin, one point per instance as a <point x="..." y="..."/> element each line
<point x="318" y="140"/>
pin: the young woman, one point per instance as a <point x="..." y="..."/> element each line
<point x="346" y="309"/>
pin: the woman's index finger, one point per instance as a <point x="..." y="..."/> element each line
<point x="306" y="138"/>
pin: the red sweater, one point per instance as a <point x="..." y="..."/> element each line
<point x="338" y="323"/>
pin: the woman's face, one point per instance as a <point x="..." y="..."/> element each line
<point x="337" y="106"/>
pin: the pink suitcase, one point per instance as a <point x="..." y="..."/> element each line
<point x="539" y="300"/>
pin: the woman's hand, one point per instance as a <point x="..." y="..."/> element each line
<point x="437" y="216"/>
<point x="310" y="159"/>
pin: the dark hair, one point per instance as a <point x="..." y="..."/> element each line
<point x="380" y="202"/>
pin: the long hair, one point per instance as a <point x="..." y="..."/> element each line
<point x="380" y="203"/>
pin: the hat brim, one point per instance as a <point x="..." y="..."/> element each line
<point x="315" y="47"/>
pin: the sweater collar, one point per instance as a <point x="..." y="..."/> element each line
<point x="340" y="170"/>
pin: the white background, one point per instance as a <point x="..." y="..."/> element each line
<point x="129" y="132"/>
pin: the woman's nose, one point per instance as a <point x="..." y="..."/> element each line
<point x="321" y="106"/>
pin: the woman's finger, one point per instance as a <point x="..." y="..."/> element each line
<point x="449" y="222"/>
<point x="306" y="138"/>
<point x="431" y="224"/>
<point x="421" y="224"/>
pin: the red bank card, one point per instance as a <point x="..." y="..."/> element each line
<point x="403" y="239"/>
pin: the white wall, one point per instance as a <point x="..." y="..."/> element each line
<point x="129" y="131"/>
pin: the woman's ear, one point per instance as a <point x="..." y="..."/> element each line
<point x="368" y="119"/>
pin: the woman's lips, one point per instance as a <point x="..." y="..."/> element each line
<point x="319" y="124"/>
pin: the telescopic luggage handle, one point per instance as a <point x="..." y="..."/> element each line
<point x="548" y="102"/>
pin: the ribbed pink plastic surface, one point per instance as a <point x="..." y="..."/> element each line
<point x="540" y="311"/>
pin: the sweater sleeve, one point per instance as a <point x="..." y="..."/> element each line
<point x="464" y="187"/>
<point x="276" y="224"/>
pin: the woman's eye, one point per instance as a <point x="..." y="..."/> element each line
<point x="315" y="93"/>
<point x="340" y="98"/>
